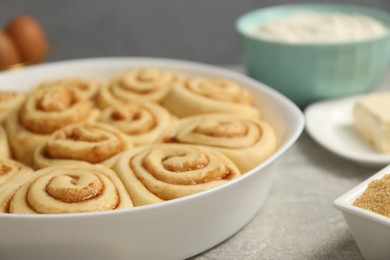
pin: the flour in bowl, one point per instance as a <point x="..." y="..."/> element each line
<point x="315" y="27"/>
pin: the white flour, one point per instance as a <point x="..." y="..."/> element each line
<point x="312" y="27"/>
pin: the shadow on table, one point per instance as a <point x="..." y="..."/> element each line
<point x="332" y="163"/>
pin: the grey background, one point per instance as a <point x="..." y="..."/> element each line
<point x="198" y="30"/>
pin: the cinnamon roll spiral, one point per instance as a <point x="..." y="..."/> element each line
<point x="168" y="171"/>
<point x="12" y="175"/>
<point x="87" y="88"/>
<point x="247" y="142"/>
<point x="88" y="142"/>
<point x="209" y="95"/>
<point x="145" y="83"/>
<point x="142" y="122"/>
<point x="9" y="101"/>
<point x="43" y="112"/>
<point x="70" y="189"/>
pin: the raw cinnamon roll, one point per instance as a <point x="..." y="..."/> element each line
<point x="247" y="142"/>
<point x="12" y="175"/>
<point x="87" y="88"/>
<point x="4" y="146"/>
<point x="145" y="83"/>
<point x="9" y="101"/>
<point x="207" y="95"/>
<point x="70" y="189"/>
<point x="167" y="171"/>
<point x="95" y="143"/>
<point x="142" y="122"/>
<point x="43" y="112"/>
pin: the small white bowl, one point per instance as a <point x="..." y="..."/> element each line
<point x="370" y="230"/>
<point x="176" y="229"/>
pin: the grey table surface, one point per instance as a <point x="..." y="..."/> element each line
<point x="298" y="220"/>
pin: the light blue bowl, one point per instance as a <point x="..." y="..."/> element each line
<point x="309" y="72"/>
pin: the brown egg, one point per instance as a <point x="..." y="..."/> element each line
<point x="8" y="53"/>
<point x="28" y="37"/>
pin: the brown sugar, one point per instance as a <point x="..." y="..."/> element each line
<point x="376" y="197"/>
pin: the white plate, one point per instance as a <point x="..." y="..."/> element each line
<point x="330" y="124"/>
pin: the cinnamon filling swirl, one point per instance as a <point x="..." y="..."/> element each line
<point x="92" y="143"/>
<point x="217" y="132"/>
<point x="70" y="190"/>
<point x="172" y="171"/>
<point x="133" y="119"/>
<point x="219" y="89"/>
<point x="86" y="88"/>
<point x="145" y="81"/>
<point x="48" y="110"/>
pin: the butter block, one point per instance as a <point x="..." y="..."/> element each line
<point x="371" y="118"/>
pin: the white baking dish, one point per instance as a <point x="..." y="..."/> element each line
<point x="171" y="230"/>
<point x="370" y="230"/>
